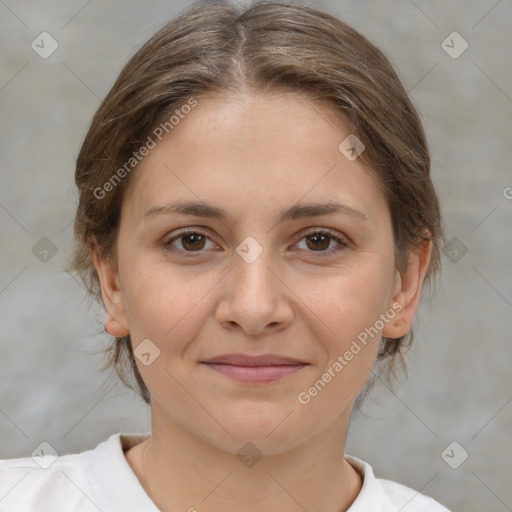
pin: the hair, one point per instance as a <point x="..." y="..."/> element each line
<point x="221" y="49"/>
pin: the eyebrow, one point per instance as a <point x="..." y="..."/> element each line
<point x="295" y="212"/>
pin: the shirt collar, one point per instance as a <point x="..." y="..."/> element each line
<point x="118" y="488"/>
<point x="113" y="480"/>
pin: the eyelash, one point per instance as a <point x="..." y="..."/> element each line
<point x="342" y="241"/>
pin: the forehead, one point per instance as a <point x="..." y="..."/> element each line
<point x="253" y="148"/>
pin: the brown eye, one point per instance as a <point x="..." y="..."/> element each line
<point x="193" y="241"/>
<point x="188" y="242"/>
<point x="318" y="241"/>
<point x="321" y="242"/>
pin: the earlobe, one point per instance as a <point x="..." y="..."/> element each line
<point x="113" y="327"/>
<point x="407" y="292"/>
<point x="116" y="321"/>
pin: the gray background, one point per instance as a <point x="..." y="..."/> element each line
<point x="459" y="387"/>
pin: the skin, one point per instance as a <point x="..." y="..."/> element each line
<point x="254" y="155"/>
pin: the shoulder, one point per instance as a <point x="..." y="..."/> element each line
<point x="378" y="494"/>
<point x="68" y="482"/>
<point x="408" y="499"/>
<point x="33" y="483"/>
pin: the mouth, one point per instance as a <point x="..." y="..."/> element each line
<point x="255" y="369"/>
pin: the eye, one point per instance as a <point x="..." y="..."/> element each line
<point x="188" y="241"/>
<point x="320" y="241"/>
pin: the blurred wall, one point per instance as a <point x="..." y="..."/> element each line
<point x="459" y="387"/>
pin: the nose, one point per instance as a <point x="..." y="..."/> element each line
<point x="255" y="297"/>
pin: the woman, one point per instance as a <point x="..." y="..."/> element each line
<point x="257" y="216"/>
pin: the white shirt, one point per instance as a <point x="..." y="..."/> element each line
<point x="101" y="480"/>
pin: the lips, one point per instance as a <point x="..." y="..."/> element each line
<point x="255" y="369"/>
<point x="249" y="360"/>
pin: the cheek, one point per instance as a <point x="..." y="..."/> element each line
<point x="352" y="301"/>
<point x="163" y="304"/>
<point x="350" y="308"/>
<point x="169" y="309"/>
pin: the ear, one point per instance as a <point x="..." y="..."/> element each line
<point x="407" y="292"/>
<point x="116" y="322"/>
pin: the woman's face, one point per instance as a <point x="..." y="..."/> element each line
<point x="248" y="254"/>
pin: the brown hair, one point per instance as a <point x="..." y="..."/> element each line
<point x="216" y="48"/>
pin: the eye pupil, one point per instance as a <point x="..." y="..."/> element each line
<point x="318" y="237"/>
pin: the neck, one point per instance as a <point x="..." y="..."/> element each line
<point x="181" y="471"/>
